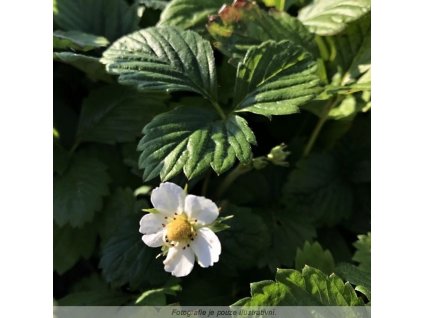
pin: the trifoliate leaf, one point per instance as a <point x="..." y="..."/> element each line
<point x="363" y="253"/>
<point x="275" y="78"/>
<point x="70" y="245"/>
<point x="193" y="139"/>
<point x="243" y="24"/>
<point x="248" y="232"/>
<point x="163" y="59"/>
<point x="87" y="64"/>
<point x="78" y="193"/>
<point x="116" y="114"/>
<point x="315" y="256"/>
<point x="109" y="18"/>
<point x="310" y="287"/>
<point x="288" y="232"/>
<point x="317" y="189"/>
<point x="125" y="259"/>
<point x="76" y="40"/>
<point x="329" y="17"/>
<point x="189" y="13"/>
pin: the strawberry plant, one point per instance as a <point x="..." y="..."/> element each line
<point x="212" y="152"/>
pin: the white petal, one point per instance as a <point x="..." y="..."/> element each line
<point x="206" y="247"/>
<point x="168" y="198"/>
<point x="200" y="208"/>
<point x="151" y="223"/>
<point x="153" y="240"/>
<point x="179" y="262"/>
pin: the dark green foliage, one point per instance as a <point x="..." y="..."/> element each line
<point x="79" y="191"/>
<point x="263" y="107"/>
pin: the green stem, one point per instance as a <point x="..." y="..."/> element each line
<point x="319" y="127"/>
<point x="74" y="147"/>
<point x="231" y="177"/>
<point x="218" y="108"/>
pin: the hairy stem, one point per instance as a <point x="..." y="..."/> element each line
<point x="319" y="127"/>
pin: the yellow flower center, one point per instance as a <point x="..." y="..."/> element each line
<point x="179" y="229"/>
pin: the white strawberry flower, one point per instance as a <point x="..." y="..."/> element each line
<point x="181" y="225"/>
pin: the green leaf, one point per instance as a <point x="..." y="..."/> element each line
<point x="119" y="206"/>
<point x="61" y="157"/>
<point x="355" y="276"/>
<point x="94" y="291"/>
<point x="164" y="59"/>
<point x="348" y="108"/>
<point x="87" y="283"/>
<point x="87" y="64"/>
<point x="189" y="13"/>
<point x="310" y="287"/>
<point x="275" y="78"/>
<point x="243" y="24"/>
<point x="154" y="4"/>
<point x="329" y="17"/>
<point x="193" y="139"/>
<point x="106" y="297"/>
<point x="288" y="232"/>
<point x="157" y="297"/>
<point x="348" y="54"/>
<point x="248" y="232"/>
<point x="278" y="4"/>
<point x="78" y="193"/>
<point x="70" y="245"/>
<point x="317" y="188"/>
<point x="125" y="259"/>
<point x="363" y="255"/>
<point x="314" y="255"/>
<point x="114" y="113"/>
<point x="77" y="40"/>
<point x="109" y="18"/>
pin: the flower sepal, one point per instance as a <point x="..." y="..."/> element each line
<point x="153" y="210"/>
<point x="219" y="225"/>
